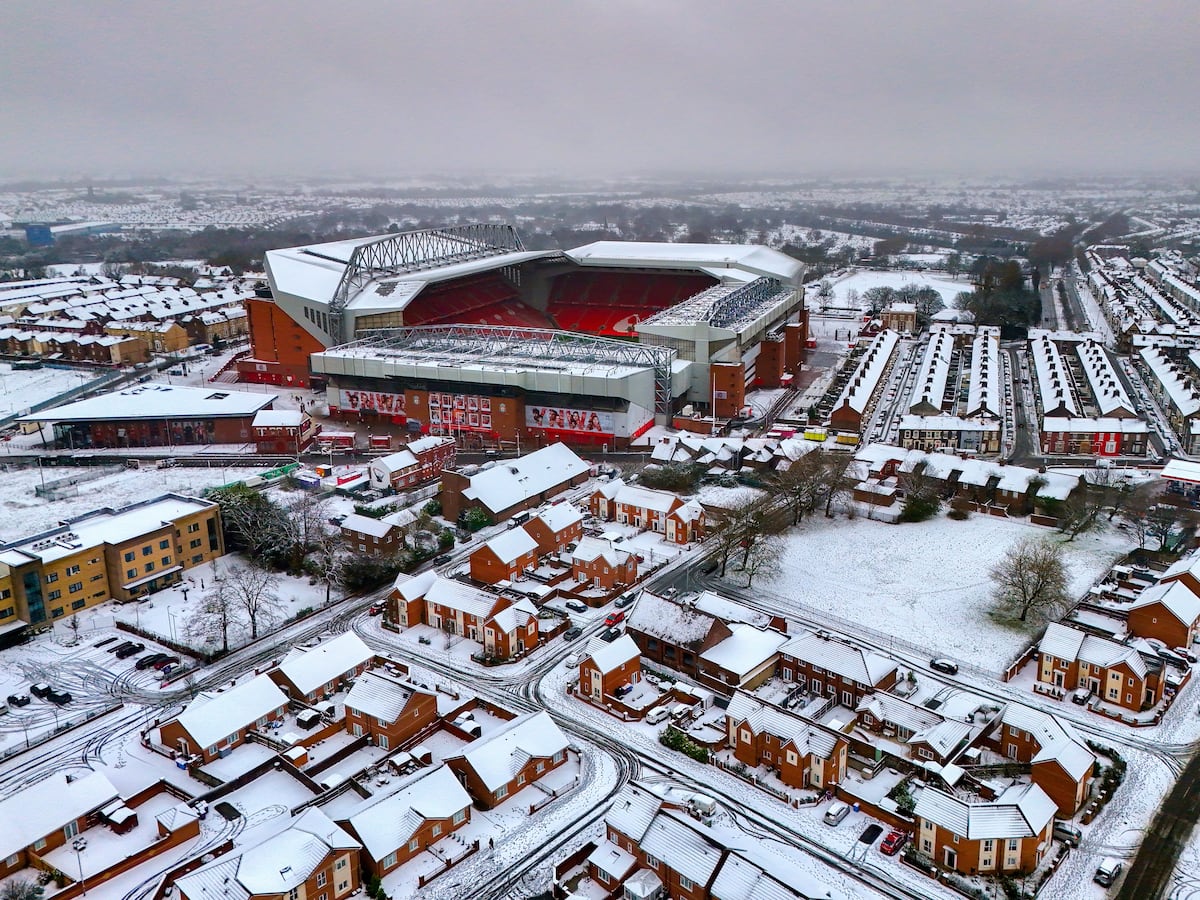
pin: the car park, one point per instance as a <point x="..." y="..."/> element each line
<point x="57" y="697"/>
<point x="573" y="632"/>
<point x="20" y="699"/>
<point x="893" y="842"/>
<point x="41" y="689"/>
<point x="945" y="666"/>
<point x="575" y="606"/>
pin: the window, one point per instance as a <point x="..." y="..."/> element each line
<point x="412" y="845"/>
<point x="72" y="570"/>
<point x="71" y="829"/>
<point x="341" y="863"/>
<point x="131" y="573"/>
<point x="460" y="816"/>
<point x="8" y="612"/>
<point x="193" y="527"/>
<point x="1012" y="845"/>
<point x="129" y="556"/>
<point x="685" y="883"/>
<point x="195" y="543"/>
<point x="13" y="860"/>
<point x="166" y="561"/>
<point x="39" y="844"/>
<point x="651" y="861"/>
<point x="147" y="550"/>
<point x="164" y="544"/>
<point x="382" y="740"/>
<point x="54" y="595"/>
<point x="389" y="860"/>
<point x="78" y="604"/>
<point x="343" y="886"/>
<point x="500" y="792"/>
<point x="76" y="587"/>
<point x="989" y="845"/>
<point x="322" y="879"/>
<point x="51" y="578"/>
<point x="521" y="778"/>
<point x="437" y="829"/>
<point x="198" y="558"/>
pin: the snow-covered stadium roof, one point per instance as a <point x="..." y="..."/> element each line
<point x="723" y="261"/>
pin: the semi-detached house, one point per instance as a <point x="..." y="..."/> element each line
<point x="1118" y="674"/>
<point x="506" y="759"/>
<point x="835" y="669"/>
<point x="309" y="675"/>
<point x="213" y="724"/>
<point x="390" y="709"/>
<point x="1006" y="835"/>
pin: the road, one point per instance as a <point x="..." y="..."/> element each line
<point x="1164" y="841"/>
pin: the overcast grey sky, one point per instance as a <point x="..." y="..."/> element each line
<point x="614" y="87"/>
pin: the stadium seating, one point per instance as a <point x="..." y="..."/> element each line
<point x="458" y="301"/>
<point x="611" y="303"/>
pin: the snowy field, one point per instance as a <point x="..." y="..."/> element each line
<point x="23" y="513"/>
<point x="19" y="390"/>
<point x="925" y="584"/>
<point x="864" y="281"/>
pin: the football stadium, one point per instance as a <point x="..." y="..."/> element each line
<point x="462" y="330"/>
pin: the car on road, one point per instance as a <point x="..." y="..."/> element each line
<point x="41" y="689"/>
<point x="572" y="660"/>
<point x="625" y="600"/>
<point x="893" y="842"/>
<point x="670" y="593"/>
<point x="58" y="698"/>
<point x="611" y="635"/>
<point x="943" y="665"/>
<point x="573" y="632"/>
<point x="374" y="609"/>
<point x="441" y="560"/>
<point x="614" y="617"/>
<point x="21" y="699"/>
<point x="1108" y="872"/>
<point x="575" y="606"/>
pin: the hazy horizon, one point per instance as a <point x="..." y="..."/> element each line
<point x="269" y="88"/>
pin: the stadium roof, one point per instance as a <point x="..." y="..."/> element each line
<point x="157" y="401"/>
<point x="724" y="261"/>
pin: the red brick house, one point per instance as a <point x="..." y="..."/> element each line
<point x="513" y="485"/>
<point x="511" y="630"/>
<point x="309" y="675"/>
<point x="48" y="813"/>
<point x="272" y="869"/>
<point x="1060" y="762"/>
<point x="404" y="822"/>
<point x="1169" y="611"/>
<point x="508" y="758"/>
<point x="803" y="754"/>
<point x="555" y="527"/>
<point x="1069" y="659"/>
<point x="608" y="666"/>
<point x="603" y="564"/>
<point x="376" y="537"/>
<point x="1004" y="836"/>
<point x="505" y="557"/>
<point x="834" y="668"/>
<point x="289" y="431"/>
<point x="420" y="461"/>
<point x="213" y="723"/>
<point x="660" y="511"/>
<point x="927" y="735"/>
<point x="390" y="709"/>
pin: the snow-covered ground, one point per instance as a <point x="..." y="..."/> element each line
<point x="864" y="281"/>
<point x="21" y="389"/>
<point x="23" y="513"/>
<point x="924" y="585"/>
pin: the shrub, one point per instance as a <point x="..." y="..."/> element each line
<point x="432" y="508"/>
<point x="676" y="740"/>
<point x="958" y="515"/>
<point x="474" y="519"/>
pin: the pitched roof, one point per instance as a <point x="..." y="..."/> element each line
<point x="1056" y="740"/>
<point x="1020" y="812"/>
<point x="445" y="592"/>
<point x="515" y="481"/>
<point x="560" y="516"/>
<point x="647" y="498"/>
<point x="48" y="805"/>
<point x="500" y="754"/>
<point x="592" y="548"/>
<point x="669" y="621"/>
<point x="847" y="660"/>
<point x="511" y="545"/>
<point x="211" y="717"/>
<point x="1175" y="596"/>
<point x="721" y="607"/>
<point x="1069" y="644"/>
<point x="513" y="617"/>
<point x="380" y="696"/>
<point x="310" y="669"/>
<point x="746" y="649"/>
<point x="608" y="656"/>
<point x="387" y="823"/>
<point x="764" y="718"/>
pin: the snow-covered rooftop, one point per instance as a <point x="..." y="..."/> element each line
<point x="211" y="717"/>
<point x="1020" y="812"/>
<point x="511" y="545"/>
<point x="310" y="669"/>
<point x="516" y="481"/>
<point x="157" y="401"/>
<point x="500" y="754"/>
<point x="48" y="805"/>
<point x="387" y="823"/>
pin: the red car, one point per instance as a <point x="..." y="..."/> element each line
<point x="893" y="842"/>
<point x="614" y="617"/>
<point x="374" y="609"/>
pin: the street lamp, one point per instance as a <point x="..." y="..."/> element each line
<point x="79" y="844"/>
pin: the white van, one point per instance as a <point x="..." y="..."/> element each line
<point x="836" y="813"/>
<point x="656" y="715"/>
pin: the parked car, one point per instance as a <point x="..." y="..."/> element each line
<point x="1067" y="833"/>
<point x="1108" y="871"/>
<point x="670" y="593"/>
<point x="658" y="714"/>
<point x="21" y="699"/>
<point x="1187" y="654"/>
<point x="610" y="635"/>
<point x="893" y="842"/>
<point x="945" y="666"/>
<point x="441" y="560"/>
<point x="572" y="660"/>
<point x="105" y="642"/>
<point x="573" y="632"/>
<point x="41" y="689"/>
<point x="614" y="617"/>
<point x="117" y="648"/>
<point x="148" y="660"/>
<point x="575" y="606"/>
<point x="624" y="690"/>
<point x="133" y="650"/>
<point x="1081" y="696"/>
<point x="166" y="662"/>
<point x="625" y="600"/>
<point x="836" y="812"/>
<point x="58" y="698"/>
<point x="374" y="609"/>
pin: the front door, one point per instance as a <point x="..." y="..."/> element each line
<point x="950" y="857"/>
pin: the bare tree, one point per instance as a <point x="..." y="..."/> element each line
<point x="799" y="485"/>
<point x="253" y="589"/>
<point x="836" y="481"/>
<point x="1161" y="521"/>
<point x="329" y="561"/>
<point x="743" y="527"/>
<point x="217" y="614"/>
<point x="1031" y="576"/>
<point x="303" y="525"/>
<point x="1081" y="510"/>
<point x="763" y="558"/>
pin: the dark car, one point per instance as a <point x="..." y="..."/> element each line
<point x="58" y="698"/>
<point x="624" y="689"/>
<point x="573" y="632"/>
<point x="166" y="662"/>
<point x="575" y="606"/>
<point x="117" y="648"/>
<point x="41" y="689"/>
<point x="945" y="666"/>
<point x="441" y="560"/>
<point x="148" y="660"/>
<point x="611" y="635"/>
<point x="133" y="650"/>
<point x="625" y="600"/>
<point x="893" y="842"/>
<point x="18" y="699"/>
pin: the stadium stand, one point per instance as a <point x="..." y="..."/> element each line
<point x="460" y="300"/>
<point x="612" y="303"/>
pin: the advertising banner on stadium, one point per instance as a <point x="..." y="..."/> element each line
<point x="373" y="401"/>
<point x="583" y="421"/>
